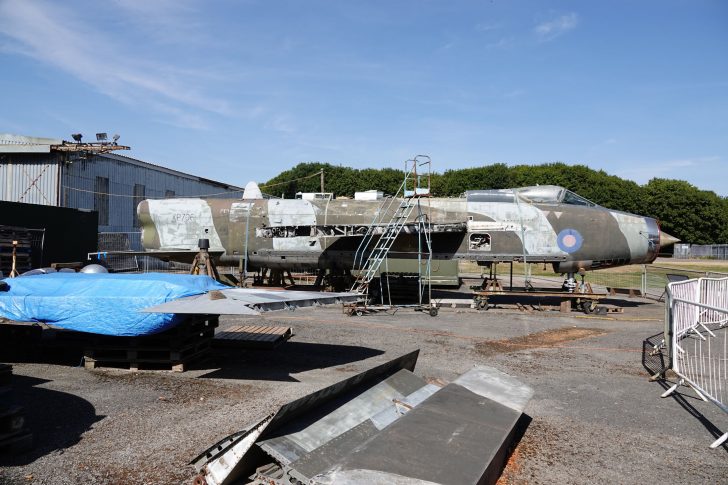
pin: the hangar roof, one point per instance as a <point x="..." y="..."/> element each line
<point x="30" y="144"/>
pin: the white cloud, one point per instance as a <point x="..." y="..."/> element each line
<point x="501" y="43"/>
<point x="553" y="28"/>
<point x="57" y="37"/>
<point x="445" y="47"/>
<point x="486" y="27"/>
<point x="165" y="21"/>
<point x="282" y="124"/>
<point x="516" y="93"/>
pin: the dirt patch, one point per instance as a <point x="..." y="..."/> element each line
<point x="544" y="339"/>
<point x="513" y="470"/>
<point x="539" y="443"/>
<point x="175" y="389"/>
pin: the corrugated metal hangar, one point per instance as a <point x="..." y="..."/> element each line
<point x="89" y="176"/>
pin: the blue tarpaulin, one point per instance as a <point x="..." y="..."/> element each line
<point x="106" y="304"/>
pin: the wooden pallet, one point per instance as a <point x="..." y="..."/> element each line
<point x="141" y="358"/>
<point x="173" y="350"/>
<point x="176" y="338"/>
<point x="253" y="336"/>
<point x="23" y="249"/>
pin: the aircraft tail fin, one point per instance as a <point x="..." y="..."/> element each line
<point x="252" y="191"/>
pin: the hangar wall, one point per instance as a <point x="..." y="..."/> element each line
<point x="113" y="185"/>
<point x="36" y="171"/>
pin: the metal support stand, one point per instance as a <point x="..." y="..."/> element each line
<point x="203" y="264"/>
<point x="13" y="269"/>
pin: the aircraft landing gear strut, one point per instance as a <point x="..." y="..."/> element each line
<point x="569" y="283"/>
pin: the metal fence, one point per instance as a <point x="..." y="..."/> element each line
<point x="647" y="280"/>
<point x="132" y="241"/>
<point x="696" y="337"/>
<point x="701" y="251"/>
<point x="656" y="278"/>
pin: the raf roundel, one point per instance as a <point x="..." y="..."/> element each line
<point x="569" y="240"/>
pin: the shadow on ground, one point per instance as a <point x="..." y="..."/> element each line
<point x="290" y="358"/>
<point x="56" y="419"/>
<point x="684" y="401"/>
<point x="537" y="300"/>
<point x="655" y="361"/>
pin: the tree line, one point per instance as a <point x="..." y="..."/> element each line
<point x="684" y="211"/>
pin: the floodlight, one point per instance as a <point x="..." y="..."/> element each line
<point x="77" y="137"/>
<point x="100" y="136"/>
<point x="116" y="138"/>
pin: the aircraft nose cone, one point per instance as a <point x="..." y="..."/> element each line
<point x="667" y="240"/>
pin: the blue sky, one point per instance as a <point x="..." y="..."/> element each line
<point x="240" y="90"/>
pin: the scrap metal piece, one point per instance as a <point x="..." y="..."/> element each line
<point x="456" y="436"/>
<point x="234" y="456"/>
<point x="249" y="301"/>
<point x="385" y="425"/>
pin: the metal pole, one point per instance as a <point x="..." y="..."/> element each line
<point x="322" y="180"/>
<point x="419" y="252"/>
<point x="247" y="225"/>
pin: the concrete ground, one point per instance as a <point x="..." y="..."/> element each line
<point x="596" y="418"/>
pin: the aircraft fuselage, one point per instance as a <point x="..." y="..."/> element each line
<point x="539" y="224"/>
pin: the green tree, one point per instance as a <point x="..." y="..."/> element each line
<point x="693" y="215"/>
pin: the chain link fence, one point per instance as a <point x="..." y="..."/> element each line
<point x="701" y="251"/>
<point x="132" y="241"/>
<point x="646" y="280"/>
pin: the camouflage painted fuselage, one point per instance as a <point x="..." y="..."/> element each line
<point x="541" y="224"/>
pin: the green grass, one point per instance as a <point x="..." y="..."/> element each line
<point x="629" y="276"/>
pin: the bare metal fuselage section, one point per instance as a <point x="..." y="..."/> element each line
<point x="486" y="226"/>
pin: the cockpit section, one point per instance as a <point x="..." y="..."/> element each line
<point x="571" y="198"/>
<point x="538" y="194"/>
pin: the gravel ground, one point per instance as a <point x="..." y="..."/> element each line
<point x="595" y="415"/>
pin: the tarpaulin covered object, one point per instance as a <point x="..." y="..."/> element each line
<point x="106" y="304"/>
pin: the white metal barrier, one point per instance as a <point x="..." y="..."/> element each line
<point x="696" y="333"/>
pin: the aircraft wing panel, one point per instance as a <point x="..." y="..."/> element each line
<point x="249" y="301"/>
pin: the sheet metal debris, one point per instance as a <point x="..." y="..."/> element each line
<point x="249" y="301"/>
<point x="385" y="425"/>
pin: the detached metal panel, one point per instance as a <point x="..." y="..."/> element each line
<point x="29" y="178"/>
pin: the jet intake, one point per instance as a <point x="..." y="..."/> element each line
<point x="572" y="266"/>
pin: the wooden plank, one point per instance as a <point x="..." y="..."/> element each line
<point x="253" y="336"/>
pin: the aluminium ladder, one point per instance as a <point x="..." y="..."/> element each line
<point x="390" y="230"/>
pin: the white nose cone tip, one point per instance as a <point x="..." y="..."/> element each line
<point x="667" y="240"/>
<point x="252" y="191"/>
